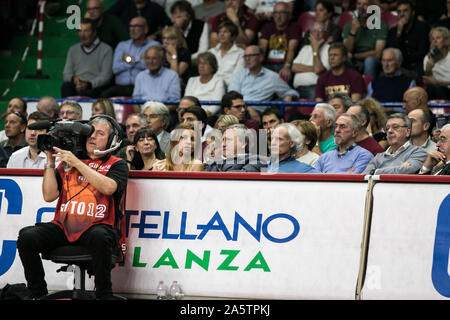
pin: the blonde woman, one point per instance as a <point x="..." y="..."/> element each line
<point x="176" y="54"/>
<point x="180" y="156"/>
<point x="103" y="106"/>
<point x="377" y="121"/>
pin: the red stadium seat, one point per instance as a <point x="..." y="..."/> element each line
<point x="305" y="20"/>
<point x="440" y="110"/>
<point x="344" y="18"/>
<point x="123" y="110"/>
<point x="390" y="17"/>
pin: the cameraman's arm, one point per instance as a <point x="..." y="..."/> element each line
<point x="49" y="184"/>
<point x="103" y="184"/>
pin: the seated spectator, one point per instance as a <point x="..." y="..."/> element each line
<point x="134" y="122"/>
<point x="152" y="12"/>
<point x="110" y="29"/>
<point x="180" y="156"/>
<point x="286" y="142"/>
<point x="377" y="121"/>
<point x="271" y="117"/>
<point x="340" y="102"/>
<point x="438" y="161"/>
<point x="88" y="68"/>
<point x="15" y="104"/>
<point x="324" y="10"/>
<point x="157" y="115"/>
<point x="348" y="157"/>
<point x="236" y="152"/>
<point x="363" y="139"/>
<point x="103" y="106"/>
<point x="364" y="42"/>
<point x="15" y="126"/>
<point x="129" y="59"/>
<point x="186" y="102"/>
<point x="437" y="65"/>
<point x="145" y="150"/>
<point x="324" y="118"/>
<point x="176" y="53"/>
<point x="48" y="105"/>
<point x="309" y="133"/>
<point x="257" y="83"/>
<point x="197" y="114"/>
<point x="339" y="78"/>
<point x="157" y="82"/>
<point x="241" y="16"/>
<point x="70" y="110"/>
<point x="195" y="31"/>
<point x="225" y="120"/>
<point x="263" y="10"/>
<point x="233" y="103"/>
<point x="417" y="98"/>
<point x="392" y="83"/>
<point x="279" y="41"/>
<point x="410" y="36"/>
<point x="230" y="57"/>
<point x="310" y="62"/>
<point x="209" y="9"/>
<point x="207" y="86"/>
<point x="420" y="130"/>
<point x="30" y="157"/>
<point x="401" y="157"/>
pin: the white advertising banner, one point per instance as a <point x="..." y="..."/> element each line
<point x="246" y="239"/>
<point x="408" y="254"/>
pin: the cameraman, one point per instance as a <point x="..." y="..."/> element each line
<point x="89" y="191"/>
<point x="363" y="44"/>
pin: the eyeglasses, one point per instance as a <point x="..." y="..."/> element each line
<point x="68" y="112"/>
<point x="394" y="127"/>
<point x="251" y="55"/>
<point x="442" y="139"/>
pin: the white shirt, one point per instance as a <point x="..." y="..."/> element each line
<point x="21" y="159"/>
<point x="305" y="56"/>
<point x="214" y="90"/>
<point x="230" y="63"/>
<point x="263" y="5"/>
<point x="441" y="69"/>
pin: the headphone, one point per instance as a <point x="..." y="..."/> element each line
<point x="114" y="139"/>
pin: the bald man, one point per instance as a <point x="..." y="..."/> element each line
<point x="417" y="98"/>
<point x="129" y="59"/>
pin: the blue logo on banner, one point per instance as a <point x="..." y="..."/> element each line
<point x="10" y="190"/>
<point x="440" y="271"/>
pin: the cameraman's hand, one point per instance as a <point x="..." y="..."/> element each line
<point x="66" y="156"/>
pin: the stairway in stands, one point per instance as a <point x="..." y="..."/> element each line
<point x="57" y="39"/>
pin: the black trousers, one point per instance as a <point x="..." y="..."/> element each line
<point x="44" y="237"/>
<point x="68" y="89"/>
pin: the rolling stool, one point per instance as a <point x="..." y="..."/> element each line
<point x="81" y="259"/>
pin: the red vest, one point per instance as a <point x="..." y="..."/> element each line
<point x="80" y="205"/>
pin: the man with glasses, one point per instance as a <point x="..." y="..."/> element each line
<point x="401" y="157"/>
<point x="110" y="29"/>
<point x="156" y="83"/>
<point x="279" y="40"/>
<point x="233" y="103"/>
<point x="70" y="110"/>
<point x="129" y="59"/>
<point x="438" y="160"/>
<point x="257" y="83"/>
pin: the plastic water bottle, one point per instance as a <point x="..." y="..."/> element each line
<point x="175" y="291"/>
<point x="161" y="291"/>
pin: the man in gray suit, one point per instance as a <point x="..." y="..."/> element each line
<point x="402" y="157"/>
<point x="157" y="115"/>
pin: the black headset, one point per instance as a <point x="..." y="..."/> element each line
<point x="114" y="139"/>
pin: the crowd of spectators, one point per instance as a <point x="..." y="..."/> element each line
<point x="259" y="51"/>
